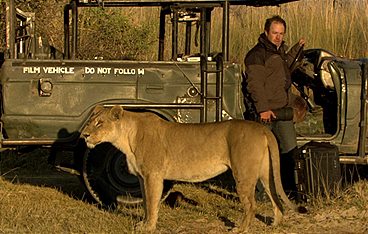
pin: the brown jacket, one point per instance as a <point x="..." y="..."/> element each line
<point x="268" y="74"/>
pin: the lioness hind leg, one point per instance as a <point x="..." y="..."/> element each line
<point x="152" y="191"/>
<point x="276" y="203"/>
<point x="246" y="194"/>
<point x="276" y="209"/>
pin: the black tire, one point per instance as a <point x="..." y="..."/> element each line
<point x="106" y="177"/>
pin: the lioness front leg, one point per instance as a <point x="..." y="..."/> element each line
<point x="152" y="187"/>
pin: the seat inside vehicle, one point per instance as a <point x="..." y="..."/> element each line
<point x="316" y="80"/>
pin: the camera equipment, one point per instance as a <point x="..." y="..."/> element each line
<point x="285" y="113"/>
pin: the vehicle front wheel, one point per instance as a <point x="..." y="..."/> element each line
<point x="106" y="176"/>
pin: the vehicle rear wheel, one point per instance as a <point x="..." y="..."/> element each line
<point x="106" y="177"/>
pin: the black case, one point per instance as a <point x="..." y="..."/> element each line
<point x="317" y="170"/>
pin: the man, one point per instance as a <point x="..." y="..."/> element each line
<point x="268" y="83"/>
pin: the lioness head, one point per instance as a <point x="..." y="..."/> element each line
<point x="102" y="125"/>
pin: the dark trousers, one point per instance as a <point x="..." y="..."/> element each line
<point x="287" y="169"/>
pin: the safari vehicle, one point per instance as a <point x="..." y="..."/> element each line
<point x="47" y="95"/>
<point x="336" y="92"/>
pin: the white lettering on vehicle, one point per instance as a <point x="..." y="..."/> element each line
<point x="140" y="71"/>
<point x="124" y="71"/>
<point x="32" y="70"/>
<point x="103" y="70"/>
<point x="87" y="70"/>
<point x="58" y="70"/>
<point x="48" y="70"/>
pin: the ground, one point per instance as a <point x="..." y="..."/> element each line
<point x="35" y="198"/>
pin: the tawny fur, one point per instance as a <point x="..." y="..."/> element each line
<point x="157" y="149"/>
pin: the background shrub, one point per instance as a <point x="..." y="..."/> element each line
<point x="336" y="25"/>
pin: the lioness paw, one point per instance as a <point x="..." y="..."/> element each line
<point x="238" y="230"/>
<point x="142" y="227"/>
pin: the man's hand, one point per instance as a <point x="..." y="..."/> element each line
<point x="267" y="116"/>
<point x="302" y="41"/>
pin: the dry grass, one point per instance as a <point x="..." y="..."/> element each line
<point x="36" y="200"/>
<point x="30" y="209"/>
<point x="339" y="26"/>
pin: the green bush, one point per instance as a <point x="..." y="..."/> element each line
<point x="2" y="26"/>
<point x="107" y="33"/>
<point x="112" y="33"/>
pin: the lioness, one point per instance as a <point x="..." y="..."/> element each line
<point x="157" y="150"/>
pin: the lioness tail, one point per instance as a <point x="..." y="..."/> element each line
<point x="275" y="160"/>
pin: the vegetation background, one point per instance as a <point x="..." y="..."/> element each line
<point x="339" y="26"/>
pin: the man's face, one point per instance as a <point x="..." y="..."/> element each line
<point x="276" y="33"/>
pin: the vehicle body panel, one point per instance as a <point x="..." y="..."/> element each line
<point x="43" y="99"/>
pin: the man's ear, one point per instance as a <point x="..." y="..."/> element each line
<point x="116" y="112"/>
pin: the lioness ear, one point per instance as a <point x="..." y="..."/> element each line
<point x="116" y="112"/>
<point x="97" y="109"/>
